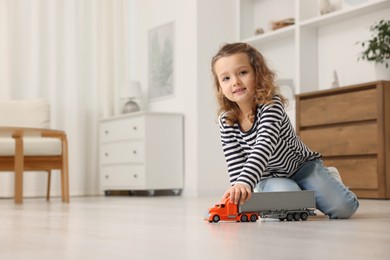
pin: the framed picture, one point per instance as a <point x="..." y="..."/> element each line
<point x="161" y="61"/>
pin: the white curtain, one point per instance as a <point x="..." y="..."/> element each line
<point x="73" y="53"/>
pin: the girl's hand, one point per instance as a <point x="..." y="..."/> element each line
<point x="240" y="192"/>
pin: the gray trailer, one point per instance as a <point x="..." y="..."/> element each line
<point x="289" y="205"/>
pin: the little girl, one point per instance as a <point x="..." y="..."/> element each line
<point x="261" y="149"/>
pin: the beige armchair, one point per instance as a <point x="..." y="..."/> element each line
<point x="28" y="144"/>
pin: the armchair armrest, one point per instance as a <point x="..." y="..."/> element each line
<point x="19" y="132"/>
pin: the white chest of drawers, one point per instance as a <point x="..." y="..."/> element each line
<point x="141" y="151"/>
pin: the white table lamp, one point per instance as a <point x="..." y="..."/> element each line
<point x="129" y="91"/>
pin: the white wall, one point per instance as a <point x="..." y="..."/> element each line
<point x="217" y="25"/>
<point x="200" y="28"/>
<point x="338" y="51"/>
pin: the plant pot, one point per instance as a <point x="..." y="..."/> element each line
<point x="382" y="73"/>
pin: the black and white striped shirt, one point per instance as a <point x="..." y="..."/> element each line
<point x="270" y="148"/>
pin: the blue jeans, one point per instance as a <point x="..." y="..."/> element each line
<point x="331" y="196"/>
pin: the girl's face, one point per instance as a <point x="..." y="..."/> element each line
<point x="236" y="78"/>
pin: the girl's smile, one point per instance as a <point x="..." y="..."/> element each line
<point x="239" y="90"/>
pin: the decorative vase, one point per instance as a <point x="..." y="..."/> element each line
<point x="325" y="7"/>
<point x="129" y="107"/>
<point x="382" y="73"/>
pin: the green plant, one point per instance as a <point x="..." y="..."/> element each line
<point x="377" y="49"/>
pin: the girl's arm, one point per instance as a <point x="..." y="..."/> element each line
<point x="268" y="131"/>
<point x="235" y="160"/>
<point x="245" y="171"/>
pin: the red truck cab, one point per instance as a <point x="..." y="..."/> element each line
<point x="228" y="211"/>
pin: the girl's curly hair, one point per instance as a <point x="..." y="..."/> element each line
<point x="265" y="87"/>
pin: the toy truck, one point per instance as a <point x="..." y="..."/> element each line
<point x="289" y="205"/>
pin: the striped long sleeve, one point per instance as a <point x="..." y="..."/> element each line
<point x="269" y="149"/>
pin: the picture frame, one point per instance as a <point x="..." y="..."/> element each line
<point x="161" y="61"/>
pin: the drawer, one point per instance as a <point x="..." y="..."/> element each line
<point x="358" y="173"/>
<point x="127" y="128"/>
<point x="343" y="140"/>
<point x="122" y="176"/>
<point x="122" y="152"/>
<point x="346" y="107"/>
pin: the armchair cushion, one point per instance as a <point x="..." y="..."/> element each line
<point x="33" y="146"/>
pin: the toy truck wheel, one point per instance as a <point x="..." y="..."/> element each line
<point x="304" y="216"/>
<point x="297" y="217"/>
<point x="244" y="218"/>
<point x="253" y="218"/>
<point x="216" y="218"/>
<point x="289" y="217"/>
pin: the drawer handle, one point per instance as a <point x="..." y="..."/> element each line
<point x="106" y="154"/>
<point x="134" y="128"/>
<point x="135" y="176"/>
<point x="134" y="152"/>
<point x="107" y="176"/>
<point x="106" y="132"/>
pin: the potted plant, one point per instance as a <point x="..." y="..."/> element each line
<point x="377" y="49"/>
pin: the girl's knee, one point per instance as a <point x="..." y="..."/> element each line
<point x="277" y="184"/>
<point x="343" y="209"/>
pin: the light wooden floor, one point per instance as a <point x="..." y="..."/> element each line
<point x="168" y="227"/>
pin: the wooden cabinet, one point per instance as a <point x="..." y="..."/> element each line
<point x="141" y="151"/>
<point x="350" y="127"/>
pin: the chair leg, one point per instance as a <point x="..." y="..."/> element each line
<point x="65" y="171"/>
<point x="48" y="185"/>
<point x="62" y="185"/>
<point x="18" y="185"/>
<point x="19" y="167"/>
